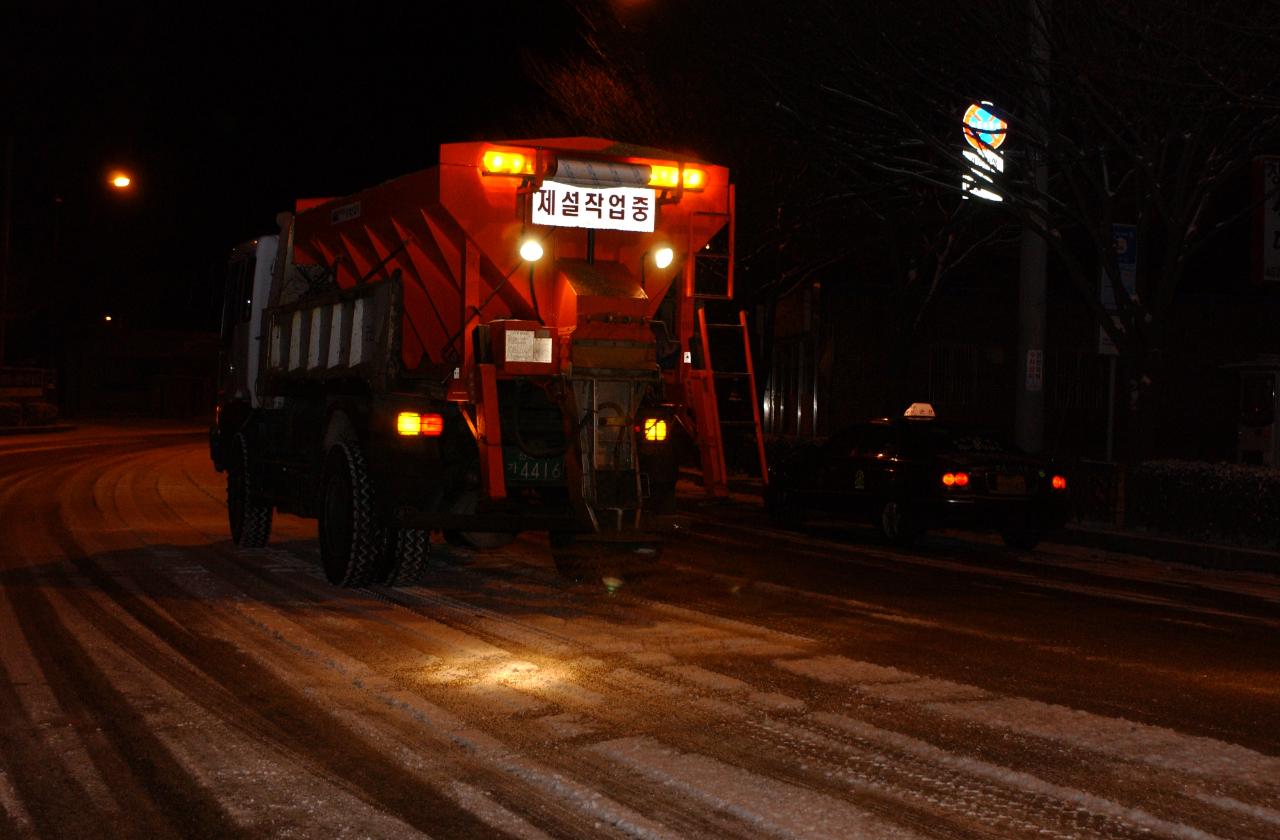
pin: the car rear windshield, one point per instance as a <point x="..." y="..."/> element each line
<point x="942" y="439"/>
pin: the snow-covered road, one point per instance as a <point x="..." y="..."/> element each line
<point x="155" y="682"/>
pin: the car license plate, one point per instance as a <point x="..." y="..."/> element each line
<point x="524" y="469"/>
<point x="1011" y="484"/>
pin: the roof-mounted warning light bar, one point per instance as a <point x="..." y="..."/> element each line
<point x="669" y="177"/>
<point x="508" y="162"/>
<point x="520" y="162"/>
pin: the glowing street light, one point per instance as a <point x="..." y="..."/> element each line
<point x="121" y="180"/>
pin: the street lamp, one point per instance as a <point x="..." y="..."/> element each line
<point x="120" y="180"/>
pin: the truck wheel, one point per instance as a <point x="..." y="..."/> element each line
<point x="409" y="549"/>
<point x="899" y="524"/>
<point x="351" y="538"/>
<point x="250" y="519"/>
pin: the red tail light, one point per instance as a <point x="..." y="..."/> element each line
<point x="959" y="479"/>
<point x="1059" y="482"/>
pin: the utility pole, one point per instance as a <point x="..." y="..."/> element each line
<point x="1029" y="409"/>
<point x="6" y="233"/>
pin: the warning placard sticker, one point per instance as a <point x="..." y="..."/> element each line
<point x="528" y="346"/>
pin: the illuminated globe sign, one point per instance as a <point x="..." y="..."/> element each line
<point x="983" y="129"/>
<point x="984" y="132"/>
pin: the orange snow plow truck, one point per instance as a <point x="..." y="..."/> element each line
<point x="513" y="340"/>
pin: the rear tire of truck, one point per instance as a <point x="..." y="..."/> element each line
<point x="409" y="550"/>
<point x="352" y="542"/>
<point x="249" y="518"/>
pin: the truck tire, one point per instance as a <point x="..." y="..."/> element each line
<point x="352" y="541"/>
<point x="249" y="518"/>
<point x="409" y="549"/>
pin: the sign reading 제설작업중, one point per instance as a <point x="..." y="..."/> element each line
<point x="611" y="208"/>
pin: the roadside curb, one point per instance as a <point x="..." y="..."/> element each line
<point x="1172" y="550"/>
<point x="50" y="429"/>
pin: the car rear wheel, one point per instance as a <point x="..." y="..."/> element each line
<point x="899" y="523"/>
<point x="784" y="508"/>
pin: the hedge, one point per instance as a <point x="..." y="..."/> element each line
<point x="1214" y="502"/>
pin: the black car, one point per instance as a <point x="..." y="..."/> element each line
<point x="916" y="472"/>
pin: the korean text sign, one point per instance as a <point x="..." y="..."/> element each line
<point x="612" y="208"/>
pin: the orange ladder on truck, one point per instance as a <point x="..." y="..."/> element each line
<point x="724" y="399"/>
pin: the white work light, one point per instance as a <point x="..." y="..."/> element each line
<point x="531" y="250"/>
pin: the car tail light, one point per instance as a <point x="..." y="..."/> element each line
<point x="411" y="423"/>
<point x="1059" y="482"/>
<point x="958" y="479"/>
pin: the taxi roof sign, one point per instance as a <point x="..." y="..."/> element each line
<point x="920" y="411"/>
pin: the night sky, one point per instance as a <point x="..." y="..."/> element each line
<point x="224" y="119"/>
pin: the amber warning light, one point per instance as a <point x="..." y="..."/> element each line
<point x="655" y="429"/>
<point x="505" y="162"/>
<point x="411" y="423"/>
<point x="661" y="176"/>
<point x="669" y="177"/>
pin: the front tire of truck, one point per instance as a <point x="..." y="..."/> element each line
<point x="351" y="539"/>
<point x="249" y="518"/>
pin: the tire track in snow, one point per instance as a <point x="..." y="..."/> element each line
<point x="774" y="807"/>
<point x="924" y="692"/>
<point x="255" y="781"/>
<point x="296" y="724"/>
<point x="1110" y="587"/>
<point x="163" y="799"/>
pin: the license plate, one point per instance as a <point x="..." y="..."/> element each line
<point x="523" y="469"/>
<point x="1011" y="484"/>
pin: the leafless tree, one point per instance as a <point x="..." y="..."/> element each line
<point x="1144" y="112"/>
